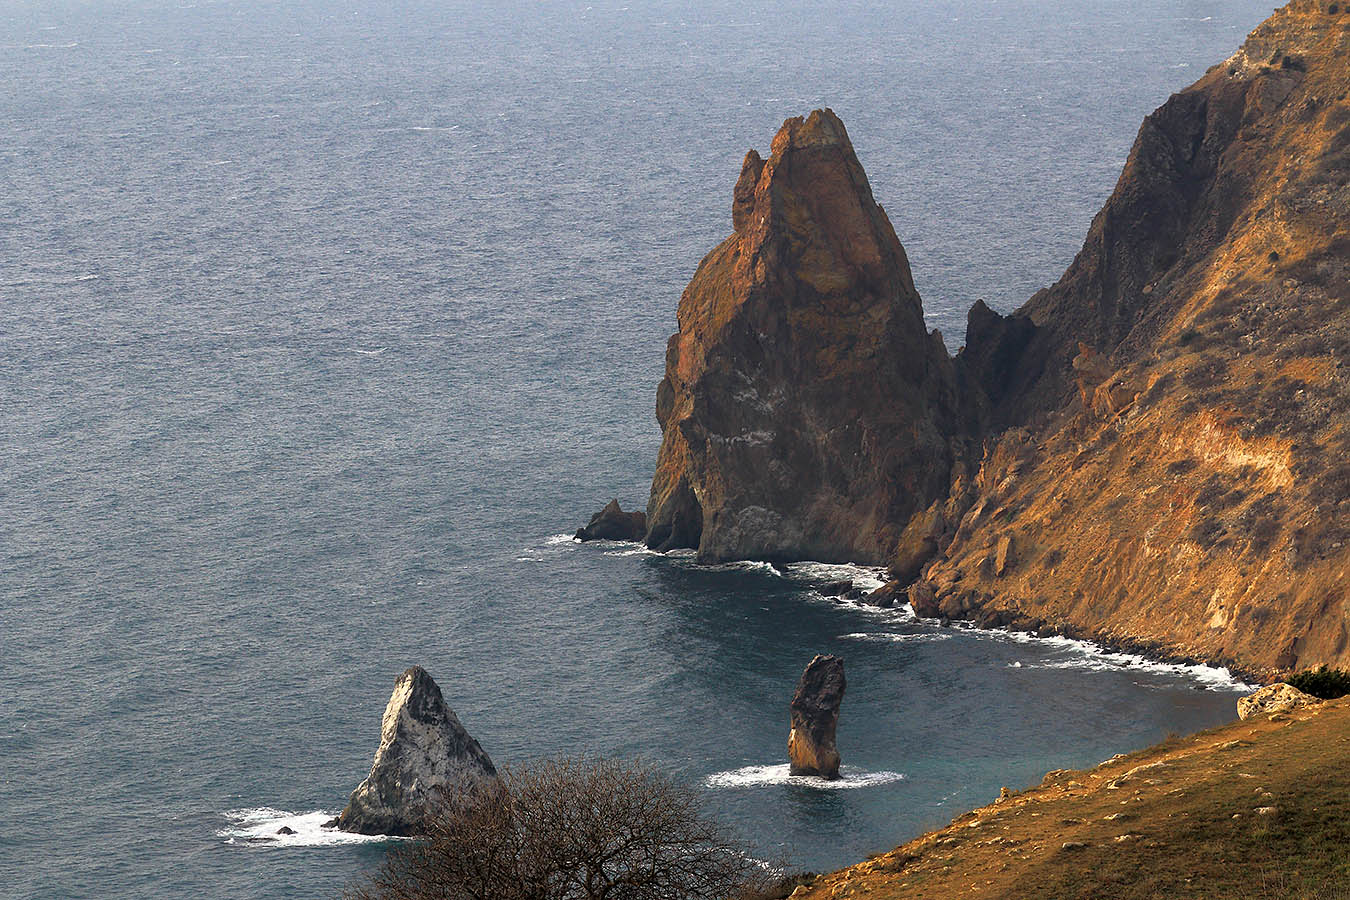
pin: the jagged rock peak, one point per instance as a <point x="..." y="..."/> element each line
<point x="424" y="753"/>
<point x="803" y="398"/>
<point x="815" y="718"/>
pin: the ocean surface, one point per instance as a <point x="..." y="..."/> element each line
<point x="323" y="324"/>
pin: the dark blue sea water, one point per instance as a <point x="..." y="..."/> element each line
<point x="320" y="321"/>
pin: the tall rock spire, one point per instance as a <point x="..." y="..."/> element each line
<point x="803" y="403"/>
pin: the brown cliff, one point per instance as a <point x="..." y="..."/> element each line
<point x="1175" y="469"/>
<point x="805" y="407"/>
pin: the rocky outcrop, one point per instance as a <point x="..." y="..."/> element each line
<point x="1274" y="698"/>
<point x="805" y="408"/>
<point x="613" y="524"/>
<point x="815" y="717"/>
<point x="424" y="754"/>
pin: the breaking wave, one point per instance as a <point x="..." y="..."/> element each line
<point x="891" y="637"/>
<point x="763" y="776"/>
<point x="258" y="827"/>
<point x="1087" y="656"/>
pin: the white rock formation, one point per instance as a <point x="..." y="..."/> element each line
<point x="424" y="754"/>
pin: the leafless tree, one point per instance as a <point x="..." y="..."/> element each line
<point x="570" y="829"/>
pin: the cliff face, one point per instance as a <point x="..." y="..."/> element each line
<point x="1175" y="464"/>
<point x="1154" y="450"/>
<point x="805" y="408"/>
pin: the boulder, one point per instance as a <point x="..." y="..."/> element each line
<point x="923" y="600"/>
<point x="1274" y="698"/>
<point x="841" y="588"/>
<point x="886" y="596"/>
<point x="425" y="756"/>
<point x="613" y="524"/>
<point x="815" y="716"/>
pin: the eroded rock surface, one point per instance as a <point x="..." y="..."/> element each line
<point x="815" y="717"/>
<point x="424" y="751"/>
<point x="805" y="406"/>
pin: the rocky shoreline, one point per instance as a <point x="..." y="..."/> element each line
<point x="1148" y="454"/>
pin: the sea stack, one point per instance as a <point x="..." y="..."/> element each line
<point x="815" y="716"/>
<point x="805" y="406"/>
<point x="424" y="754"/>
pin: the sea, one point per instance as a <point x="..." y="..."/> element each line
<point x="324" y="324"/>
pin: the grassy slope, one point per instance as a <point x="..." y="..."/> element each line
<point x="1187" y="825"/>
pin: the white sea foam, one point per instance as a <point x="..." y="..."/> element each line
<point x="376" y="352"/>
<point x="890" y="637"/>
<point x="1087" y="656"/>
<point x="744" y="565"/>
<point x="763" y="776"/>
<point x="868" y="578"/>
<point x="554" y="540"/>
<point x="630" y="548"/>
<point x="258" y="827"/>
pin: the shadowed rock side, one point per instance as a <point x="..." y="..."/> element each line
<point x="423" y="752"/>
<point x="805" y="408"/>
<point x="613" y="524"/>
<point x="815" y="716"/>
<point x="1172" y="418"/>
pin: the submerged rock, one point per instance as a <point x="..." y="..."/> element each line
<point x="1274" y="698"/>
<point x="613" y="524"/>
<point x="815" y="716"/>
<point x="424" y="754"/>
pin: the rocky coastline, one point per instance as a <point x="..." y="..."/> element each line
<point x="1147" y="455"/>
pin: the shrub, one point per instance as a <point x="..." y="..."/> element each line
<point x="1322" y="682"/>
<point x="569" y="829"/>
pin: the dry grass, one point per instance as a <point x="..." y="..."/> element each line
<point x="1189" y="826"/>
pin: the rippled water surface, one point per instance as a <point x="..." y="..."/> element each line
<point x="320" y="322"/>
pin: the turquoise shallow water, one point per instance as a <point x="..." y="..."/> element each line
<point x="320" y="322"/>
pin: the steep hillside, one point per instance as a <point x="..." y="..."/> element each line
<point x="1174" y="467"/>
<point x="1256" y="810"/>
